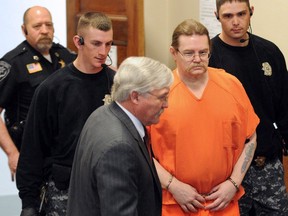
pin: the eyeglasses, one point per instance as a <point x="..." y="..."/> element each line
<point x="163" y="98"/>
<point x="190" y="56"/>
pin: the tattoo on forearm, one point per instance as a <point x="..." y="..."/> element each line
<point x="248" y="155"/>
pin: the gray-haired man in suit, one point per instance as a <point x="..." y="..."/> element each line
<point x="113" y="173"/>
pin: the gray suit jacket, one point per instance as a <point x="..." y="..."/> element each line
<point x="112" y="174"/>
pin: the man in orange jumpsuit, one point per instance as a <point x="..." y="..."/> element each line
<point x="205" y="141"/>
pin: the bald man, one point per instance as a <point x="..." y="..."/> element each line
<point x="21" y="71"/>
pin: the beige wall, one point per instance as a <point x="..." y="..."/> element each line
<point x="270" y="21"/>
<point x="161" y="17"/>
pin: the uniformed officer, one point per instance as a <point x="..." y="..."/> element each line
<point x="21" y="71"/>
<point x="57" y="114"/>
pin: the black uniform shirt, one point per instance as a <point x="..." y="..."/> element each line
<point x="261" y="68"/>
<point x="21" y="71"/>
<point x="58" y="111"/>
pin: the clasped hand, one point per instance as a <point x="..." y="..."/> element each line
<point x="190" y="200"/>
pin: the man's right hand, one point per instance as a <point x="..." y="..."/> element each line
<point x="8" y="146"/>
<point x="29" y="212"/>
<point x="13" y="161"/>
<point x="186" y="196"/>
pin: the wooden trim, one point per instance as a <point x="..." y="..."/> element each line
<point x="71" y="9"/>
<point x="128" y="23"/>
<point x="135" y="34"/>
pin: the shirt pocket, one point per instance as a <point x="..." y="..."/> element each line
<point x="232" y="134"/>
<point x="233" y="143"/>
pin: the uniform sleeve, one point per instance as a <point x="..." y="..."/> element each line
<point x="282" y="85"/>
<point x="7" y="82"/>
<point x="34" y="150"/>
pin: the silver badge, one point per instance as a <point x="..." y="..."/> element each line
<point x="4" y="70"/>
<point x="107" y="99"/>
<point x="267" y="69"/>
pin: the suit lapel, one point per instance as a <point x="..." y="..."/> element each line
<point x="122" y="116"/>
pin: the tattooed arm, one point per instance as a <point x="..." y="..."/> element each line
<point x="244" y="161"/>
<point x="223" y="193"/>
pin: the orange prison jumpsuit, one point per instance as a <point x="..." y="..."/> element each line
<point x="200" y="140"/>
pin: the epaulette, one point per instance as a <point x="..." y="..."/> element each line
<point x="59" y="46"/>
<point x="19" y="50"/>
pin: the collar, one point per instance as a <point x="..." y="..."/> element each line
<point x="139" y="126"/>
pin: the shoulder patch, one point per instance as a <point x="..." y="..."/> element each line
<point x="4" y="70"/>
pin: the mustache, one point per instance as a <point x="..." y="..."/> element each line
<point x="192" y="65"/>
<point x="160" y="112"/>
<point x="46" y="39"/>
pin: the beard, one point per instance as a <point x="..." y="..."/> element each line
<point x="44" y="44"/>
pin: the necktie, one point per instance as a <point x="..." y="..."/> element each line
<point x="147" y="142"/>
